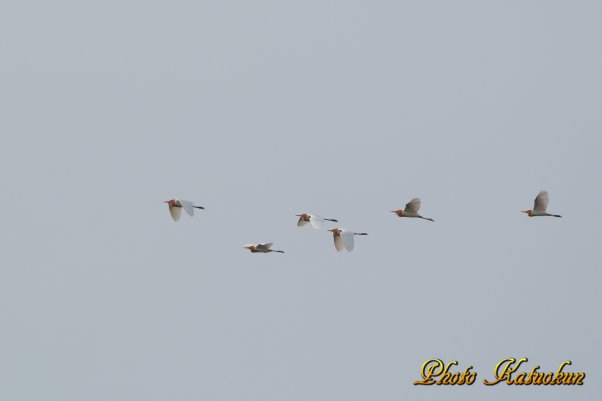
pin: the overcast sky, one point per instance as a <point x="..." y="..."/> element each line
<point x="260" y="110"/>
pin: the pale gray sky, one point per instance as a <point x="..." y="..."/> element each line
<point x="259" y="111"/>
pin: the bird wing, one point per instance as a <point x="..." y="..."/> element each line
<point x="187" y="206"/>
<point x="347" y="237"/>
<point x="301" y="222"/>
<point x="263" y="245"/>
<point x="175" y="212"/>
<point x="316" y="221"/>
<point x="413" y="206"/>
<point x="541" y="202"/>
<point x="338" y="243"/>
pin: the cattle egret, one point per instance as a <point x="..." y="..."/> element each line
<point x="316" y="221"/>
<point x="540" y="205"/>
<point x="343" y="239"/>
<point x="262" y="247"/>
<point x="411" y="210"/>
<point x="176" y="206"/>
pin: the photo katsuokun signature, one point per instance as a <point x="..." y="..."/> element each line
<point x="435" y="371"/>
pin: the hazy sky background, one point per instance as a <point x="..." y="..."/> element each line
<point x="259" y="110"/>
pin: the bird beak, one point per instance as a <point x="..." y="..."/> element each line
<point x="393" y="211"/>
<point x="524" y="211"/>
<point x="298" y="215"/>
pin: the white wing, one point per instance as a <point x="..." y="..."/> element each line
<point x="541" y="202"/>
<point x="263" y="245"/>
<point x="187" y="206"/>
<point x="301" y="222"/>
<point x="347" y="237"/>
<point x="316" y="221"/>
<point x="338" y="243"/>
<point x="175" y="212"/>
<point x="413" y="206"/>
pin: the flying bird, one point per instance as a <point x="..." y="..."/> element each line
<point x="316" y="221"/>
<point x="344" y="238"/>
<point x="540" y="205"/>
<point x="411" y="210"/>
<point x="262" y="247"/>
<point x="176" y="206"/>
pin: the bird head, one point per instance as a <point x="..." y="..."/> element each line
<point x="398" y="212"/>
<point x="335" y="231"/>
<point x="528" y="212"/>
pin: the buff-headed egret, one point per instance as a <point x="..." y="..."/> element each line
<point x="262" y="247"/>
<point x="176" y="206"/>
<point x="343" y="239"/>
<point x="316" y="221"/>
<point x="411" y="210"/>
<point x="540" y="205"/>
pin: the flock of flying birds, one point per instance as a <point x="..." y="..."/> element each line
<point x="344" y="239"/>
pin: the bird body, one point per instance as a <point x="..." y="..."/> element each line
<point x="411" y="210"/>
<point x="540" y="206"/>
<point x="176" y="206"/>
<point x="262" y="247"/>
<point x="344" y="239"/>
<point x="316" y="221"/>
